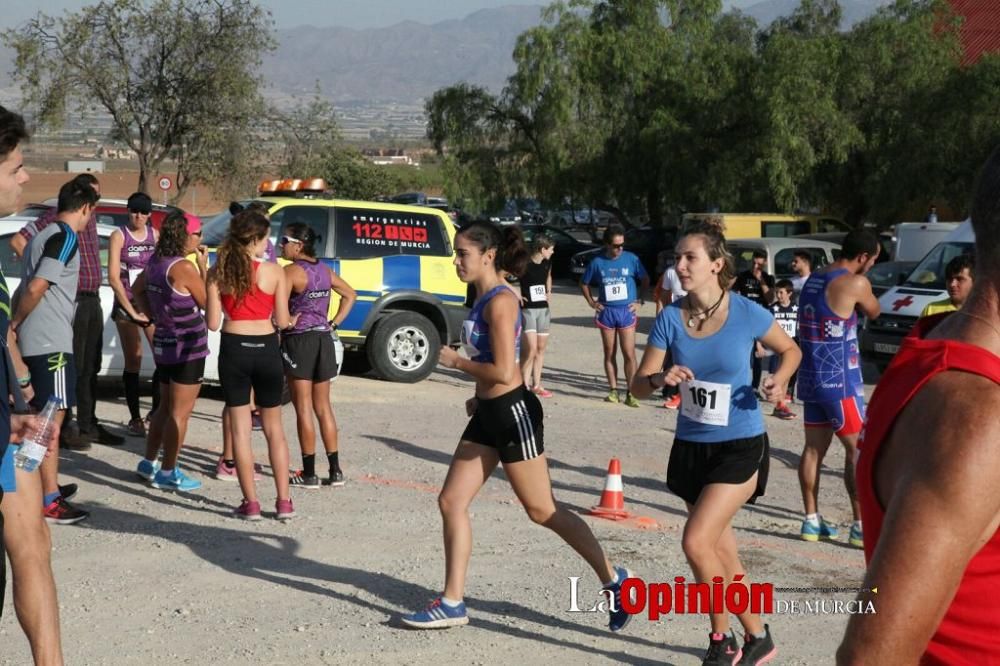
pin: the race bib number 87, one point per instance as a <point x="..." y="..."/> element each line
<point x="615" y="292"/>
<point x="706" y="402"/>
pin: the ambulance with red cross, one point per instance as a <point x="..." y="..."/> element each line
<point x="902" y="305"/>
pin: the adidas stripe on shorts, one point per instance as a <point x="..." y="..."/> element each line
<point x="511" y="424"/>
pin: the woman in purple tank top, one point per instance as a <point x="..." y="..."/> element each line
<point x="308" y="350"/>
<point x="131" y="247"/>
<point x="172" y="292"/>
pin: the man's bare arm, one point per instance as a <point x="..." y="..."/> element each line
<point x="937" y="476"/>
<point x="29" y="298"/>
<point x="18" y="243"/>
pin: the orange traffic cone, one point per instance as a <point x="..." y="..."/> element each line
<point x="612" y="504"/>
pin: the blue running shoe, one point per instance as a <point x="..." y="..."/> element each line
<point x="857" y="537"/>
<point x="147" y="470"/>
<point x="437" y="616"/>
<point x="617" y="617"/>
<point x="817" y="531"/>
<point x="176" y="480"/>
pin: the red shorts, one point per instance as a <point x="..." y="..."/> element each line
<point x="844" y="417"/>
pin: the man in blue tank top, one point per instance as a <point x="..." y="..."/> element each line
<point x="830" y="383"/>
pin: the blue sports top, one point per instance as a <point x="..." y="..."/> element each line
<point x="721" y="358"/>
<point x="831" y="364"/>
<point x="476" y="330"/>
<point x="615" y="278"/>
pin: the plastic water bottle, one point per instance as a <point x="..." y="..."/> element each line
<point x="338" y="351"/>
<point x="32" y="450"/>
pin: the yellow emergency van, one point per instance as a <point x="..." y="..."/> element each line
<point x="397" y="257"/>
<point x="769" y="225"/>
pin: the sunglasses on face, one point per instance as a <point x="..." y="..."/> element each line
<point x="618" y="246"/>
<point x="138" y="212"/>
<point x="289" y="239"/>
<point x="196" y="233"/>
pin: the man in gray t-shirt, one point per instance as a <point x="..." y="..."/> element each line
<point x="53" y="256"/>
<point x="43" y="322"/>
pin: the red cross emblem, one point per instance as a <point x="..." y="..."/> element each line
<point x="902" y="303"/>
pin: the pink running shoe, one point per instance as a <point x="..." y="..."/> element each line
<point x="541" y="392"/>
<point x="223" y="473"/>
<point x="673" y="402"/>
<point x="248" y="510"/>
<point x="285" y="509"/>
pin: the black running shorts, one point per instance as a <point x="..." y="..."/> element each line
<point x="694" y="465"/>
<point x="251" y="362"/>
<point x="52" y="375"/>
<point x="511" y="424"/>
<point x="188" y="372"/>
<point x="310" y="355"/>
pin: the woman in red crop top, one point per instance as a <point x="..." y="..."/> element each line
<point x="253" y="294"/>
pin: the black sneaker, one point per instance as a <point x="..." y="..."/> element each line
<point x="68" y="491"/>
<point x="61" y="512"/>
<point x="758" y="650"/>
<point x="336" y="478"/>
<point x="101" y="435"/>
<point x="724" y="651"/>
<point x="300" y="480"/>
<point x="70" y="439"/>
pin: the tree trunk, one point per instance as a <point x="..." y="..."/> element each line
<point x="654" y="206"/>
<point x="143" y="184"/>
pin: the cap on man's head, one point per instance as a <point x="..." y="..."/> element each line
<point x="140" y="202"/>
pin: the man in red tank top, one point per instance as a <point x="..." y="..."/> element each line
<point x="928" y="477"/>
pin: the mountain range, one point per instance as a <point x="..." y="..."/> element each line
<point x="406" y="62"/>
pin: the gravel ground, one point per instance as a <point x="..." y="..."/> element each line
<point x="155" y="577"/>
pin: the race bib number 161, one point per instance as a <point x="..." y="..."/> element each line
<point x="706" y="402"/>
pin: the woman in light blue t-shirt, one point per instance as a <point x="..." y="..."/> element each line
<point x="719" y="459"/>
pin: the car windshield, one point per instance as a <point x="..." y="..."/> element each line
<point x="888" y="274"/>
<point x="929" y="273"/>
<point x="216" y="226"/>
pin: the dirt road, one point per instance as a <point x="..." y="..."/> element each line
<point x="157" y="578"/>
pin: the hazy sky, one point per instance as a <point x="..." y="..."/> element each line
<point x="290" y="13"/>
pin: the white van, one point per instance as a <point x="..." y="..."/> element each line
<point x="902" y="305"/>
<point x="915" y="239"/>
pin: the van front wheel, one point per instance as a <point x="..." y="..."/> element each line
<point x="404" y="347"/>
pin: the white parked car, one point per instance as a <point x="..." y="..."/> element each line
<point x="112" y="360"/>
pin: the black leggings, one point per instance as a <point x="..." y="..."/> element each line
<point x="251" y="362"/>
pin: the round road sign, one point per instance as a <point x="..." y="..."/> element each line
<point x="166" y="183"/>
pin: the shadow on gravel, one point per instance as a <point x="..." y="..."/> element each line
<point x="774" y="511"/>
<point x="274" y="558"/>
<point x="124" y="480"/>
<point x="793" y="535"/>
<point x="444" y="459"/>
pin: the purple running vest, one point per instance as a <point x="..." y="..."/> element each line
<point x="312" y="304"/>
<point x="181" y="334"/>
<point x="135" y="254"/>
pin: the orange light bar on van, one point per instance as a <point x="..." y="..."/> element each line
<point x="292" y="185"/>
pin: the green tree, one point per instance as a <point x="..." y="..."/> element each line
<point x="894" y="68"/>
<point x="802" y="123"/>
<point x="178" y="77"/>
<point x="353" y="176"/>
